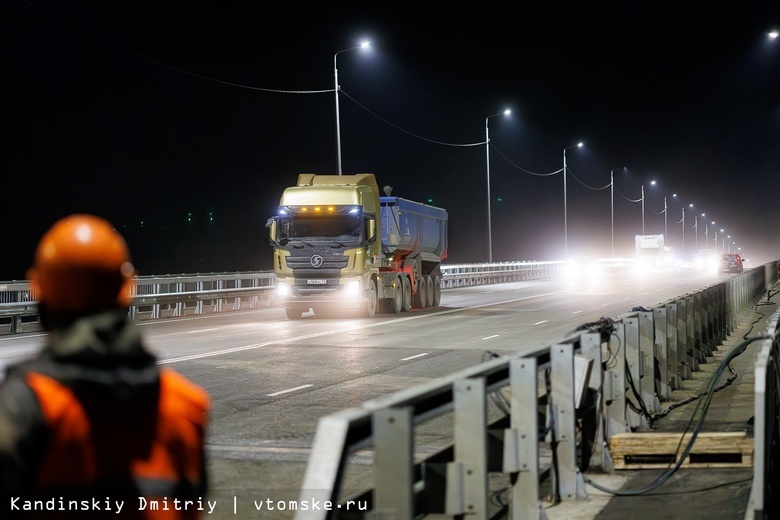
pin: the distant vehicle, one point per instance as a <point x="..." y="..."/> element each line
<point x="707" y="259"/>
<point x="731" y="263"/>
<point x="651" y="251"/>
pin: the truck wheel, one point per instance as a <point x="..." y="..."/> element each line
<point x="429" y="291"/>
<point x="420" y="299"/>
<point x="436" y="291"/>
<point x="406" y="288"/>
<point x="370" y="306"/>
<point x="294" y="313"/>
<point x="398" y="296"/>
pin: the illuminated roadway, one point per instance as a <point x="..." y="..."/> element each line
<point x="271" y="378"/>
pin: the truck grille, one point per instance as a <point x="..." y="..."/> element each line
<point x="328" y="262"/>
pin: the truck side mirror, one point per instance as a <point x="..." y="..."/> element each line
<point x="370" y="230"/>
<point x="271" y="225"/>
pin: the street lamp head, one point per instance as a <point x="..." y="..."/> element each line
<point x="580" y="144"/>
<point x="365" y="45"/>
<point x="506" y="112"/>
<point x="773" y="35"/>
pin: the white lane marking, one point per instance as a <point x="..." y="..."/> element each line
<point x="540" y="322"/>
<point x="201" y="330"/>
<point x="414" y="357"/>
<point x="289" y="390"/>
<point x="343" y="330"/>
<point x="576" y="312"/>
<point x="490" y="337"/>
<point x="11" y="337"/>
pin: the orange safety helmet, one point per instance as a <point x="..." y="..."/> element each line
<point x="82" y="266"/>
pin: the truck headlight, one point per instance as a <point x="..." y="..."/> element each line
<point x="353" y="288"/>
<point x="282" y="289"/>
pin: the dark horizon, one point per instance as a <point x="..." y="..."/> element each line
<point x="168" y="120"/>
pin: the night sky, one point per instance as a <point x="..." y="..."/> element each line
<point x="168" y="119"/>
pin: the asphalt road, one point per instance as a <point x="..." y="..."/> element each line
<point x="271" y="379"/>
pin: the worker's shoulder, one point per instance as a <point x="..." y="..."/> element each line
<point x="175" y="384"/>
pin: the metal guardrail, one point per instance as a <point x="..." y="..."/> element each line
<point x="766" y="428"/>
<point x="165" y="296"/>
<point x="156" y="297"/>
<point x="512" y="422"/>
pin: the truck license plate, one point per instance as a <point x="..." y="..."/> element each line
<point x="316" y="282"/>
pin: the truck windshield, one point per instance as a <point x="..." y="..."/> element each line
<point x="339" y="228"/>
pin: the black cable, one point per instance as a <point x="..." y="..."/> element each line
<point x="739" y="349"/>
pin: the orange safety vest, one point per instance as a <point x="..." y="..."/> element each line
<point x="130" y="453"/>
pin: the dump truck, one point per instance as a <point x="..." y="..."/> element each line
<point x="338" y="246"/>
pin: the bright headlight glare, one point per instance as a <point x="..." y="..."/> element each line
<point x="353" y="288"/>
<point x="282" y="289"/>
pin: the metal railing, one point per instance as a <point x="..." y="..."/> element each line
<point x="156" y="297"/>
<point x="766" y="427"/>
<point x="490" y="440"/>
<point x="166" y="296"/>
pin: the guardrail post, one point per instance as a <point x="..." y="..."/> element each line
<point x="766" y="427"/>
<point x="593" y="434"/>
<point x="521" y="440"/>
<point x="682" y="340"/>
<point x="393" y="460"/>
<point x="155" y="314"/>
<point x="467" y="475"/>
<point x="699" y="347"/>
<point x="568" y="480"/>
<point x="633" y="371"/>
<point x="731" y="306"/>
<point x="218" y="302"/>
<point x="648" y="361"/>
<point x="16" y="324"/>
<point x="323" y="471"/>
<point x="662" y="353"/>
<point x="615" y="383"/>
<point x="178" y="309"/>
<point x="199" y="304"/>
<point x="720" y="312"/>
<point x="708" y="316"/>
<point x="690" y="330"/>
<point x="673" y="345"/>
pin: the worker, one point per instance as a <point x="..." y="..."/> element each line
<point x="92" y="424"/>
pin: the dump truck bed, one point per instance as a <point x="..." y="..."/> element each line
<point x="410" y="227"/>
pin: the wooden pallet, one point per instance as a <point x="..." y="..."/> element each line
<point x="658" y="450"/>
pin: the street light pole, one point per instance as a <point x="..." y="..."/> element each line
<point x="487" y="164"/>
<point x="652" y="183"/>
<point x="565" y="205"/>
<point x="612" y="204"/>
<point x="666" y="230"/>
<point x="682" y="253"/>
<point x="336" y="91"/>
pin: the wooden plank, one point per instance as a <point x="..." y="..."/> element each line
<point x="659" y="450"/>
